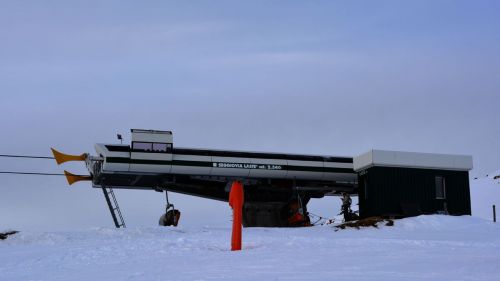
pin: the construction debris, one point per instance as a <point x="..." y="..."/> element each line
<point x="368" y="222"/>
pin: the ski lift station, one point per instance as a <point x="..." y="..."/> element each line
<point x="278" y="186"/>
<point x="407" y="184"/>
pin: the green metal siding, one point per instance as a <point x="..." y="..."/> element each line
<point x="389" y="188"/>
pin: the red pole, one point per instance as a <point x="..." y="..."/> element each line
<point x="236" y="198"/>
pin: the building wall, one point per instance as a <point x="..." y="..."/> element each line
<point x="388" y="188"/>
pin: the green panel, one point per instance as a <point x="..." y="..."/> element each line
<point x="388" y="188"/>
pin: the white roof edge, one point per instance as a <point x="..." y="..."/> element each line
<point x="150" y="131"/>
<point x="385" y="158"/>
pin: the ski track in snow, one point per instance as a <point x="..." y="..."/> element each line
<point x="422" y="248"/>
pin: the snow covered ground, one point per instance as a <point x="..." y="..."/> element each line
<point x="421" y="248"/>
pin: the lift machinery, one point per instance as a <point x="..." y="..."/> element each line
<point x="277" y="186"/>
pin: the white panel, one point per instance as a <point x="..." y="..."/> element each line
<point x="115" y="167"/>
<point x="101" y="149"/>
<point x="266" y="172"/>
<point x="363" y="161"/>
<point x="305" y="174"/>
<point x="150" y="168"/>
<point x="191" y="157"/>
<point x="338" y="165"/>
<point x="413" y="160"/>
<point x="232" y="172"/>
<point x="339" y="176"/>
<point x="193" y="170"/>
<point x="152" y="136"/>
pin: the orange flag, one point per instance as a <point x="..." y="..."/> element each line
<point x="236" y="198"/>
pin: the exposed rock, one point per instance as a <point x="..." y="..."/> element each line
<point x="4" y="235"/>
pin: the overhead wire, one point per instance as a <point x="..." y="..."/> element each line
<point x="30" y="173"/>
<point x="325" y="220"/>
<point x="26" y="156"/>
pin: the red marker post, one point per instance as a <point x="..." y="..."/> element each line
<point x="236" y="199"/>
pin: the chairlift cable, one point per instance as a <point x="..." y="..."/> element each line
<point x="320" y="218"/>
<point x="33" y="173"/>
<point x="26" y="156"/>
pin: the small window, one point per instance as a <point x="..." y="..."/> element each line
<point x="159" y="147"/>
<point x="142" y="146"/>
<point x="440" y="188"/>
<point x="365" y="183"/>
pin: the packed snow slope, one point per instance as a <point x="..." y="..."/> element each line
<point x="422" y="248"/>
<point x="433" y="247"/>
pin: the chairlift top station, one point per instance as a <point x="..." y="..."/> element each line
<point x="276" y="185"/>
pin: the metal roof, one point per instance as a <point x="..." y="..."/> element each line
<point x="412" y="160"/>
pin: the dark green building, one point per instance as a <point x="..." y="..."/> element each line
<point x="401" y="184"/>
